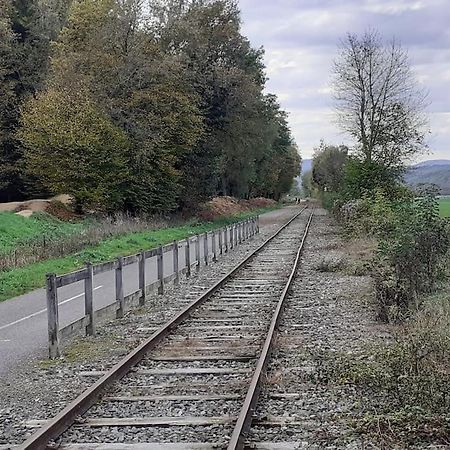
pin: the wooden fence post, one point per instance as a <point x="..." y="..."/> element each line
<point x="231" y="236"/>
<point x="119" y="288"/>
<point x="176" y="269"/>
<point x="221" y="241"/>
<point x="142" y="279"/>
<point x="52" y="317"/>
<point x="214" y="247"/>
<point x="89" y="299"/>
<point x="187" y="256"/>
<point x="257" y="224"/>
<point x="225" y="231"/>
<point x="160" y="270"/>
<point x="205" y="247"/>
<point x="197" y="252"/>
<point x="240" y="229"/>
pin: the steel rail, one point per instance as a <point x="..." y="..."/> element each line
<point x="69" y="415"/>
<point x="244" y="421"/>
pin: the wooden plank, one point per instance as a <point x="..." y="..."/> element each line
<point x="224" y="327"/>
<point x="187" y="257"/>
<point x="119" y="289"/>
<point x="131" y="259"/>
<point x="89" y="300"/>
<point x="205" y="248"/>
<point x="151" y="253"/>
<point x="229" y="348"/>
<point x="240" y="358"/>
<point x="197" y="252"/>
<point x="214" y="246"/>
<point x="175" y="371"/>
<point x="175" y="263"/>
<point x="172" y="398"/>
<point x="285" y="396"/>
<point x="52" y="317"/>
<point x="70" y="278"/>
<point x="160" y="270"/>
<point x="105" y="267"/>
<point x="142" y="279"/>
<point x="138" y="446"/>
<point x="144" y="421"/>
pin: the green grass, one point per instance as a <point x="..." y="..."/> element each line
<point x="444" y="206"/>
<point x="24" y="279"/>
<point x="15" y="229"/>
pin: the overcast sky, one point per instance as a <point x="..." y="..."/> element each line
<point x="301" y="36"/>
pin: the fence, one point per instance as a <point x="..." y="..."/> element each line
<point x="215" y="243"/>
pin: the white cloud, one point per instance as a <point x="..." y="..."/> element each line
<point x="301" y="37"/>
<point x="392" y="7"/>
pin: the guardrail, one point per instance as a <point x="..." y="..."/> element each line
<point x="215" y="243"/>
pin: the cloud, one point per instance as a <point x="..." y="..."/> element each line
<point x="301" y="37"/>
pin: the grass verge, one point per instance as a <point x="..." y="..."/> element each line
<point x="15" y="229"/>
<point x="24" y="279"/>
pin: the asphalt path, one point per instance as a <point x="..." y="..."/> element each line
<point x="23" y="319"/>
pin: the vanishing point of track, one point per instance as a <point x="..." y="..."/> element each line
<point x="213" y="353"/>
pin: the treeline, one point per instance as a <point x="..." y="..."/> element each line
<point x="133" y="105"/>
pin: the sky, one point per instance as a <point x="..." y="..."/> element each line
<point x="301" y="38"/>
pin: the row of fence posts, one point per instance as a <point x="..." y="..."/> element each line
<point x="228" y="238"/>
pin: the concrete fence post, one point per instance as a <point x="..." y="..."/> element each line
<point x="119" y="289"/>
<point x="214" y="247"/>
<point x="142" y="279"/>
<point x="231" y="230"/>
<point x="221" y="241"/>
<point x="205" y="248"/>
<point x="257" y="224"/>
<point x="176" y="269"/>
<point x="52" y="317"/>
<point x="187" y="256"/>
<point x="160" y="270"/>
<point x="197" y="252"/>
<point x="89" y="299"/>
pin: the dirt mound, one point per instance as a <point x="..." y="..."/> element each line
<point x="227" y="206"/>
<point x="26" y="208"/>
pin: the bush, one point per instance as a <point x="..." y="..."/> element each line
<point x="412" y="253"/>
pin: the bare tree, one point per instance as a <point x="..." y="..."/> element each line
<point x="378" y="100"/>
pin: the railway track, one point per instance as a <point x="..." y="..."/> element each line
<point x="193" y="383"/>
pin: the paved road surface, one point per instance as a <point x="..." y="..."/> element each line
<point x="23" y="320"/>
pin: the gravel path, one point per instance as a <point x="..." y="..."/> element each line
<point x="40" y="390"/>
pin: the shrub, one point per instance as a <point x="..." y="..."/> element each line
<point x="413" y="248"/>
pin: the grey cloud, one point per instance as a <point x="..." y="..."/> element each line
<point x="301" y="37"/>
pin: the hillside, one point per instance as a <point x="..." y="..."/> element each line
<point x="435" y="172"/>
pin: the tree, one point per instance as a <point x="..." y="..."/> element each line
<point x="307" y="188"/>
<point x="26" y="29"/>
<point x="328" y="168"/>
<point x="75" y="149"/>
<point x="378" y="100"/>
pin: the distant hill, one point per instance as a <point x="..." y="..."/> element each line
<point x="306" y="165"/>
<point x="432" y="171"/>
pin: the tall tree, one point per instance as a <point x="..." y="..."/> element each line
<point x="378" y="100"/>
<point x="27" y="27"/>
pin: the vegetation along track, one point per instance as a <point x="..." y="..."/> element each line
<point x="193" y="383"/>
